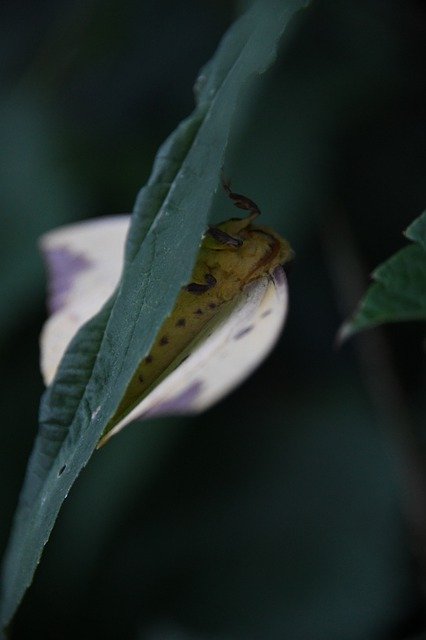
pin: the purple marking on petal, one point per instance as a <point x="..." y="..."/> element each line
<point x="243" y="332"/>
<point x="63" y="266"/>
<point x="178" y="405"/>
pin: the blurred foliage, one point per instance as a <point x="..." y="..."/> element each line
<point x="285" y="511"/>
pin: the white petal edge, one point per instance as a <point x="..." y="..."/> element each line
<point x="99" y="245"/>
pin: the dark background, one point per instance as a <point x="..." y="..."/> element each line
<point x="295" y="508"/>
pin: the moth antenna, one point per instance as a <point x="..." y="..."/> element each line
<point x="224" y="238"/>
<point x="240" y="201"/>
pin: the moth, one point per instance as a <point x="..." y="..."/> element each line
<point x="224" y="323"/>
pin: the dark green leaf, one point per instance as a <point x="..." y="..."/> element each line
<point x="399" y="288"/>
<point x="417" y="230"/>
<point x="169" y="219"/>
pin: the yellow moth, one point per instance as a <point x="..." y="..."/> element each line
<point x="224" y="323"/>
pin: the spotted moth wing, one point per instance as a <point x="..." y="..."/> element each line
<point x="225" y="353"/>
<point x="84" y="265"/>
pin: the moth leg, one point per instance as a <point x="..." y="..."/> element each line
<point x="224" y="238"/>
<point x="240" y="201"/>
<point x="198" y="289"/>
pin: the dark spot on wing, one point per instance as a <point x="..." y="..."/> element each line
<point x="141" y="378"/>
<point x="212" y="305"/>
<point x="243" y="332"/>
<point x="164" y="340"/>
<point x="149" y="359"/>
<point x="210" y="280"/>
<point x="198" y="289"/>
<point x="198" y="312"/>
<point x="181" y="322"/>
<point x="266" y="313"/>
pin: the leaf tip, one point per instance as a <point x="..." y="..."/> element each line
<point x="346" y="331"/>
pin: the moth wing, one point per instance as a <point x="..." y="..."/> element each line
<point x="84" y="263"/>
<point x="222" y="356"/>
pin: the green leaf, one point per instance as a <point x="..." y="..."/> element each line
<point x="417" y="230"/>
<point x="169" y="218"/>
<point x="399" y="288"/>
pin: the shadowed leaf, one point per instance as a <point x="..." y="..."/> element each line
<point x="169" y="218"/>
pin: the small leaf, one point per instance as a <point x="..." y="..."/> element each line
<point x="417" y="230"/>
<point x="399" y="289"/>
